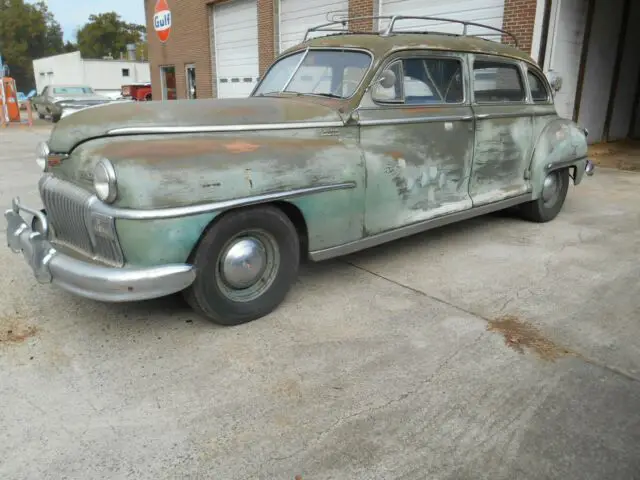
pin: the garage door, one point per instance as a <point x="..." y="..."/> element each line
<point x="296" y="16"/>
<point x="487" y="12"/>
<point x="564" y="50"/>
<point x="235" y="27"/>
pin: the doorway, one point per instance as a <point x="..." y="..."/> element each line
<point x="168" y="82"/>
<point x="191" y="81"/>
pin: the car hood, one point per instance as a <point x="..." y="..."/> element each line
<point x="183" y="114"/>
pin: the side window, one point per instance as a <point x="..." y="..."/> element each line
<point x="539" y="91"/>
<point x="423" y="80"/>
<point x="497" y="82"/>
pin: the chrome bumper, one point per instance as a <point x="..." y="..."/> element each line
<point x="589" y="168"/>
<point x="97" y="282"/>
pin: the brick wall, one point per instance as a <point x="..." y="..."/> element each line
<point x="188" y="43"/>
<point x="362" y="8"/>
<point x="519" y="18"/>
<point x="267" y="38"/>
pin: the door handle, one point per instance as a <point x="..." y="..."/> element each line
<point x="482" y="116"/>
<point x="467" y="118"/>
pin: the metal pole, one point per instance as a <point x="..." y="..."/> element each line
<point x="5" y="110"/>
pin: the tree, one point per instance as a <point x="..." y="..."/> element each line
<point x="106" y="34"/>
<point x="27" y="31"/>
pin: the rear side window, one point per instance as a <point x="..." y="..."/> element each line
<point x="539" y="92"/>
<point x="497" y="82"/>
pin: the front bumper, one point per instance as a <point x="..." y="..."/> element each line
<point x="86" y="279"/>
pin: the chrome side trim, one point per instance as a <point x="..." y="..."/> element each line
<point x="404" y="121"/>
<point x="488" y="116"/>
<point x="415" y="228"/>
<point x="223" y="128"/>
<point x="174" y="212"/>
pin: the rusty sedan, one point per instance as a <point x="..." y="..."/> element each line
<point x="347" y="142"/>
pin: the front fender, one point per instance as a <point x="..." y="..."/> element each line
<point x="561" y="144"/>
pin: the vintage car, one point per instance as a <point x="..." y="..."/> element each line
<point x="347" y="142"/>
<point x="59" y="101"/>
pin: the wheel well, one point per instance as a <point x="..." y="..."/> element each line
<point x="296" y="217"/>
<point x="289" y="209"/>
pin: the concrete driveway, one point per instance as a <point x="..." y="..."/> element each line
<point x="491" y="349"/>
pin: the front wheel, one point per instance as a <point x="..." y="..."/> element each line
<point x="547" y="206"/>
<point x="246" y="263"/>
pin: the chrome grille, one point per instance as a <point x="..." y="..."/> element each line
<point x="68" y="212"/>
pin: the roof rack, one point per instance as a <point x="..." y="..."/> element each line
<point x="344" y="21"/>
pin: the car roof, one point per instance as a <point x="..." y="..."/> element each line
<point x="69" y="85"/>
<point x="381" y="45"/>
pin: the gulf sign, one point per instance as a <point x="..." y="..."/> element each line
<point x="162" y="20"/>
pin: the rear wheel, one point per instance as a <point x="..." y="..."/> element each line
<point x="55" y="118"/>
<point x="547" y="206"/>
<point x="246" y="263"/>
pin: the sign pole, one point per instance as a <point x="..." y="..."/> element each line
<point x="5" y="109"/>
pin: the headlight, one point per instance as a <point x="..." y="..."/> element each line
<point x="104" y="181"/>
<point x="42" y="154"/>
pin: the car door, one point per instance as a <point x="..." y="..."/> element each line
<point x="504" y="129"/>
<point x="417" y="139"/>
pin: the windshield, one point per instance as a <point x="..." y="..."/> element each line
<point x="72" y="90"/>
<point x="333" y="73"/>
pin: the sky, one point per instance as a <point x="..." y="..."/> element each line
<point x="72" y="14"/>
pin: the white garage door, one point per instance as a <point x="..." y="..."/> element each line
<point x="564" y="49"/>
<point x="235" y="26"/>
<point x="296" y="16"/>
<point x="487" y="12"/>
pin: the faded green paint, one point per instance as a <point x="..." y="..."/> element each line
<point x="95" y="123"/>
<point x="160" y="242"/>
<point x="403" y="173"/>
<point x="333" y="218"/>
<point x="561" y="142"/>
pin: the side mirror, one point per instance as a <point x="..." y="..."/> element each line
<point x="555" y="80"/>
<point x="387" y="79"/>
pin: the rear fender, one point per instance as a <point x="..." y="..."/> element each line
<point x="561" y="144"/>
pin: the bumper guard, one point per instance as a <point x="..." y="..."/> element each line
<point x="86" y="279"/>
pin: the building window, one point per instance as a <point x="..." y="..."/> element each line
<point x="125" y="72"/>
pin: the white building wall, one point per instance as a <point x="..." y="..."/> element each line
<point x="64" y="68"/>
<point x="104" y="76"/>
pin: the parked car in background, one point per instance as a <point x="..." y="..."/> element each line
<point x="348" y="141"/>
<point x="58" y="101"/>
<point x="137" y="91"/>
<point x="22" y="100"/>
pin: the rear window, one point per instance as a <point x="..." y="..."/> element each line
<point x="539" y="92"/>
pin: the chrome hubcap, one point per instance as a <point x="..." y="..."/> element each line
<point x="550" y="187"/>
<point x="248" y="265"/>
<point x="243" y="263"/>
